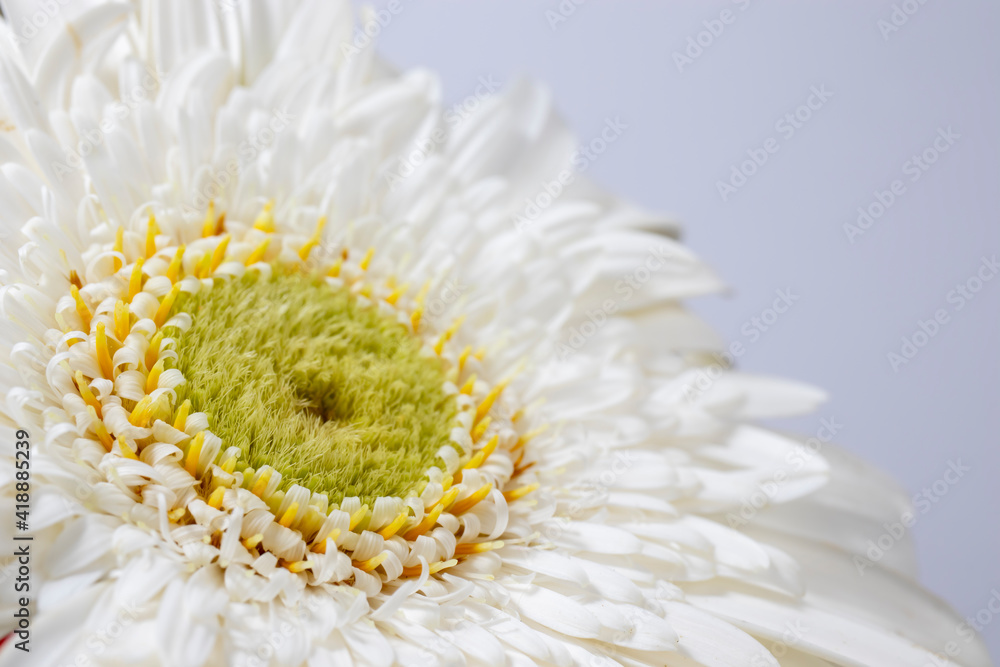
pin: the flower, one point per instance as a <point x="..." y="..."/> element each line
<point x="299" y="381"/>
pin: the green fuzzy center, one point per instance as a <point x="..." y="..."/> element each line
<point x="301" y="376"/>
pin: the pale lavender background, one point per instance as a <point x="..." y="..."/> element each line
<point x="784" y="228"/>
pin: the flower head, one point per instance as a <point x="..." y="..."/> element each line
<point x="304" y="385"/>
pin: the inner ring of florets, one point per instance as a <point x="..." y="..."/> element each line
<point x="342" y="437"/>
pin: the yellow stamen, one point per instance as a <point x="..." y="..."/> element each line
<point x="299" y="566"/>
<point x="229" y="465"/>
<point x="396" y="293"/>
<point x="151" y="231"/>
<point x="174" y="270"/>
<point x="122" y="324"/>
<point x="434" y="568"/>
<point x="358" y="516"/>
<point x="194" y="453"/>
<point x="135" y="280"/>
<point x="520" y="492"/>
<point x="429" y="521"/>
<point x="215" y="500"/>
<point x="99" y="428"/>
<point x="491" y="397"/>
<point x="314" y="240"/>
<point x="74" y="278"/>
<point x="219" y="253"/>
<point x="153" y="379"/>
<point x="168" y="302"/>
<point x="449" y="497"/>
<point x="258" y="252"/>
<point x="253" y="541"/>
<point x="464" y="356"/>
<point x="73" y="340"/>
<point x="202" y="265"/>
<point x="469" y="384"/>
<point x="180" y="421"/>
<point x="126" y="450"/>
<point x="448" y="333"/>
<point x="371" y="563"/>
<point x="141" y="412"/>
<point x="479" y="353"/>
<point x="418" y="311"/>
<point x="479" y="429"/>
<point x="153" y="351"/>
<point x="289" y="516"/>
<point x="320" y="546"/>
<point x="119" y="246"/>
<point x="437" y="567"/>
<point x="208" y="227"/>
<point x="265" y="219"/>
<point x="483" y="454"/>
<point x="177" y="514"/>
<point x="367" y="259"/>
<point x="468" y="503"/>
<point x="518" y="469"/>
<point x="533" y="433"/>
<point x="87" y="395"/>
<point x="335" y="269"/>
<point x="261" y="485"/>
<point x="520" y="457"/>
<point x="476" y="547"/>
<point x="103" y="353"/>
<point x="81" y="307"/>
<point x="393" y="527"/>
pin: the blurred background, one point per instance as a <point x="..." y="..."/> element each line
<point x="844" y="153"/>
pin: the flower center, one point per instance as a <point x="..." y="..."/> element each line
<point x="305" y="378"/>
<point x="335" y="430"/>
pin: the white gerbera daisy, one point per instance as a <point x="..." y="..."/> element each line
<point x="296" y="386"/>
